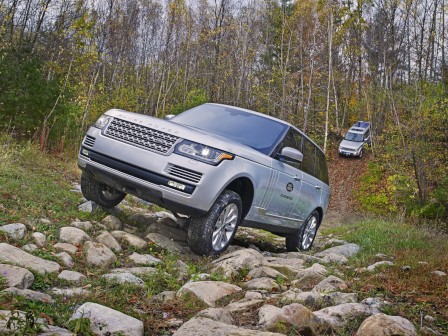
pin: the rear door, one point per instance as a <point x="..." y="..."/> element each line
<point x="285" y="189"/>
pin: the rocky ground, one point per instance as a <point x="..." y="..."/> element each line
<point x="255" y="288"/>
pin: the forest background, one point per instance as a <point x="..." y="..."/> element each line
<point x="320" y="64"/>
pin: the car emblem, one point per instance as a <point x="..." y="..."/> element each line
<point x="289" y="187"/>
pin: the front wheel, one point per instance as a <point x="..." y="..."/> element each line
<point x="303" y="239"/>
<point x="100" y="193"/>
<point x="213" y="233"/>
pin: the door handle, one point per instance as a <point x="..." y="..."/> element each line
<point x="318" y="187"/>
<point x="297" y="178"/>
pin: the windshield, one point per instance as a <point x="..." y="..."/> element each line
<point x="249" y="129"/>
<point x="358" y="137"/>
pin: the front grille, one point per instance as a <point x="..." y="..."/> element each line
<point x="347" y="149"/>
<point x="141" y="136"/>
<point x="186" y="174"/>
<point x="89" y="141"/>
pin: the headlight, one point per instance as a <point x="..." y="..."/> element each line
<point x="102" y="121"/>
<point x="202" y="153"/>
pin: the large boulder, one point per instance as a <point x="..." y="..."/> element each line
<point x="99" y="255"/>
<point x="16" y="276"/>
<point x="107" y="320"/>
<point x="291" y="317"/>
<point x="232" y="263"/>
<point x="107" y="239"/>
<point x="13" y="255"/>
<point x="129" y="239"/>
<point x="15" y="231"/>
<point x="201" y="326"/>
<point x="73" y="235"/>
<point x="347" y="250"/>
<point x="385" y="325"/>
<point x="208" y="291"/>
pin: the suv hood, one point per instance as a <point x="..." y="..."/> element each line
<point x="352" y="145"/>
<point x="192" y="134"/>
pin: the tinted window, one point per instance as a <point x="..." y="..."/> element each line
<point x="249" y="129"/>
<point x="309" y="157"/>
<point x="358" y="137"/>
<point x="321" y="167"/>
<point x="292" y="139"/>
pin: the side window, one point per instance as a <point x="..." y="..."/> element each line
<point x="367" y="134"/>
<point x="292" y="139"/>
<point x="321" y="167"/>
<point x="309" y="157"/>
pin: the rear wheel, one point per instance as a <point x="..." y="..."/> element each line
<point x="303" y="239"/>
<point x="360" y="153"/>
<point x="213" y="233"/>
<point x="100" y="193"/>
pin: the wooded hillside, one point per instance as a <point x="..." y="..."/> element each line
<point x="319" y="64"/>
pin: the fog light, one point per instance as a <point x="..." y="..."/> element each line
<point x="176" y="185"/>
<point x="85" y="152"/>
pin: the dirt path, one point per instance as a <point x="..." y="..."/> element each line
<point x="345" y="173"/>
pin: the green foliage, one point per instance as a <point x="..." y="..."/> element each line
<point x="80" y="327"/>
<point x="20" y="323"/>
<point x="3" y="283"/>
<point x="194" y="98"/>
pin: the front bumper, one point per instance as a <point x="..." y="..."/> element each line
<point x="146" y="174"/>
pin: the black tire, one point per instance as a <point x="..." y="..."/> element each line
<point x="308" y="230"/>
<point x="209" y="234"/>
<point x="100" y="193"/>
<point x="360" y="154"/>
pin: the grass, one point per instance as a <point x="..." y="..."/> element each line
<point x="413" y="293"/>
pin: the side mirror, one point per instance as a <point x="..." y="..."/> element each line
<point x="292" y="154"/>
<point x="169" y="116"/>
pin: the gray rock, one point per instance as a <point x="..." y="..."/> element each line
<point x="164" y="297"/>
<point x="72" y="235"/>
<point x="143" y="259"/>
<point x="107" y="239"/>
<point x="39" y="239"/>
<point x="374" y="303"/>
<point x="347" y="250"/>
<point x="268" y="284"/>
<point x="311" y="276"/>
<point x="252" y="295"/>
<point x="243" y="305"/>
<point x="64" y="247"/>
<point x="14" y="231"/>
<point x="372" y="267"/>
<point x="45" y="221"/>
<point x="330" y="284"/>
<point x="14" y="255"/>
<point x="265" y="272"/>
<point x="165" y="214"/>
<point x="53" y="331"/>
<point x="71" y="276"/>
<point x="88" y="207"/>
<point x="16" y="276"/>
<point x="429" y="319"/>
<point x="66" y="259"/>
<point x="233" y="263"/>
<point x="71" y="292"/>
<point x="124" y="278"/>
<point x="112" y="223"/>
<point x="130" y="239"/>
<point x="217" y="314"/>
<point x="82" y="225"/>
<point x="293" y="317"/>
<point x="13" y="329"/>
<point x="208" y="291"/>
<point x="337" y="298"/>
<point x="30" y="248"/>
<point x="385" y="325"/>
<point x="297" y="255"/>
<point x="168" y="231"/>
<point x="201" y="326"/>
<point x="136" y="270"/>
<point x="99" y="255"/>
<point x="312" y="300"/>
<point x="334" y="258"/>
<point x="336" y="317"/>
<point x="439" y="273"/>
<point x="29" y="294"/>
<point x="286" y="266"/>
<point x="165" y="242"/>
<point x="104" y="319"/>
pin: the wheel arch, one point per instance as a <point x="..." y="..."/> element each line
<point x="244" y="187"/>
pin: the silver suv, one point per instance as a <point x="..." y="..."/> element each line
<point x="355" y="140"/>
<point x="222" y="166"/>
